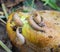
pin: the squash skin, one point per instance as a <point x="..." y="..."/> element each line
<point x="31" y="35"/>
<point x="37" y="38"/>
<point x="10" y="31"/>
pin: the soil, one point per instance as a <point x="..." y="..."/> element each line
<point x="4" y="37"/>
<point x="3" y="33"/>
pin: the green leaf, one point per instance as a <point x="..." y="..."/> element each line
<point x="52" y="4"/>
<point x="54" y="1"/>
<point x="46" y="2"/>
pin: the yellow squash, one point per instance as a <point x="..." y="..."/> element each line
<point x="49" y="39"/>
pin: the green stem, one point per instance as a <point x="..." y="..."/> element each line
<point x="4" y="9"/>
<point x="4" y="46"/>
<point x="46" y="2"/>
<point x="2" y="21"/>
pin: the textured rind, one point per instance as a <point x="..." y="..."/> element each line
<point x="41" y="39"/>
<point x="38" y="38"/>
<point x="10" y="31"/>
<point x="35" y="37"/>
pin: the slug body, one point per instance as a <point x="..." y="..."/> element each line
<point x="37" y="17"/>
<point x="20" y="37"/>
<point x="17" y="19"/>
<point x="33" y="24"/>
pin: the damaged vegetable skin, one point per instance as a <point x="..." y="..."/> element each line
<point x="12" y="33"/>
<point x="38" y="38"/>
<point x="33" y="24"/>
<point x="30" y="37"/>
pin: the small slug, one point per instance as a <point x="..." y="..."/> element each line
<point x="33" y="24"/>
<point x="17" y="20"/>
<point x="20" y="36"/>
<point x="37" y="17"/>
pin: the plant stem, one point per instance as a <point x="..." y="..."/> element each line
<point x="2" y="21"/>
<point x="4" y="46"/>
<point x="4" y="8"/>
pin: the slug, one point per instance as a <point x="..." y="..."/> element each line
<point x="37" y="17"/>
<point x="20" y="36"/>
<point x="33" y="24"/>
<point x="17" y="20"/>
